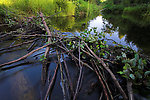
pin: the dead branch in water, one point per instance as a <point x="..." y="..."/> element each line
<point x="110" y="72"/>
<point x="49" y="33"/>
<point x="68" y="75"/>
<point x="17" y="45"/>
<point x="25" y="56"/>
<point x="62" y="76"/>
<point x="51" y="84"/>
<point x="80" y="75"/>
<point x="92" y="60"/>
<point x="130" y="91"/>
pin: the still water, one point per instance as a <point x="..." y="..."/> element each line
<point x="23" y="82"/>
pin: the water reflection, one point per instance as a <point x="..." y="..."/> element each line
<point x="127" y="32"/>
<point x="103" y="25"/>
<point x="23" y="90"/>
<point x="65" y="15"/>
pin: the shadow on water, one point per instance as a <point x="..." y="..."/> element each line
<point x="23" y="81"/>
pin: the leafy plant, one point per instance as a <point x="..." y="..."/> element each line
<point x="134" y="69"/>
<point x="42" y="58"/>
<point x="95" y="41"/>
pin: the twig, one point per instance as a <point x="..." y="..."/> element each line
<point x="103" y="85"/>
<point x="75" y="58"/>
<point x="130" y="91"/>
<point x="31" y="46"/>
<point x="49" y="33"/>
<point x="25" y="56"/>
<point x="68" y="75"/>
<point x="62" y="78"/>
<point x="79" y="78"/>
<point x="100" y="98"/>
<point x="110" y="72"/>
<point x="34" y="35"/>
<point x="51" y="83"/>
<point x="18" y="45"/>
<point x="99" y="72"/>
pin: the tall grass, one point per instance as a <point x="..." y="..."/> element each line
<point x="48" y="7"/>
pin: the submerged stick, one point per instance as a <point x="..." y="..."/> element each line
<point x="99" y="72"/>
<point x="51" y="83"/>
<point x="18" y="45"/>
<point x="68" y="75"/>
<point x="79" y="78"/>
<point x="101" y="81"/>
<point x="73" y="56"/>
<point x="62" y="78"/>
<point x="25" y="56"/>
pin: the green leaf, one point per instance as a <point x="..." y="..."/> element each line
<point x="83" y="57"/>
<point x="124" y="61"/>
<point x="147" y="73"/>
<point x="124" y="55"/>
<point x="103" y="54"/>
<point x="82" y="46"/>
<point x="41" y="59"/>
<point x="136" y="56"/>
<point x="132" y="76"/>
<point x="70" y="43"/>
<point x="125" y="76"/>
<point x="85" y="31"/>
<point x="120" y="72"/>
<point x="126" y="66"/>
<point x="144" y="62"/>
<point x="133" y="62"/>
<point x="107" y="52"/>
<point x="140" y="61"/>
<point x="106" y="46"/>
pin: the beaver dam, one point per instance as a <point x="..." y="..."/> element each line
<point x="41" y="62"/>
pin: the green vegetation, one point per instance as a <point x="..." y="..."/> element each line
<point x="135" y="69"/>
<point x="129" y="8"/>
<point x="131" y="18"/>
<point x="65" y="15"/>
<point x="134" y="66"/>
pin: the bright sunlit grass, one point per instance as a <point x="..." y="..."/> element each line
<point x="6" y="2"/>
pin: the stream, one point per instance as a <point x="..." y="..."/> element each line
<point x="23" y="80"/>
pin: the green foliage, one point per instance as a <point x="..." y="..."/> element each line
<point x="2" y="12"/>
<point x="138" y="14"/>
<point x="95" y="42"/>
<point x="134" y="69"/>
<point x="84" y="8"/>
<point x="42" y="58"/>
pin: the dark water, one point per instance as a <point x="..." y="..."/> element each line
<point x="23" y="82"/>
